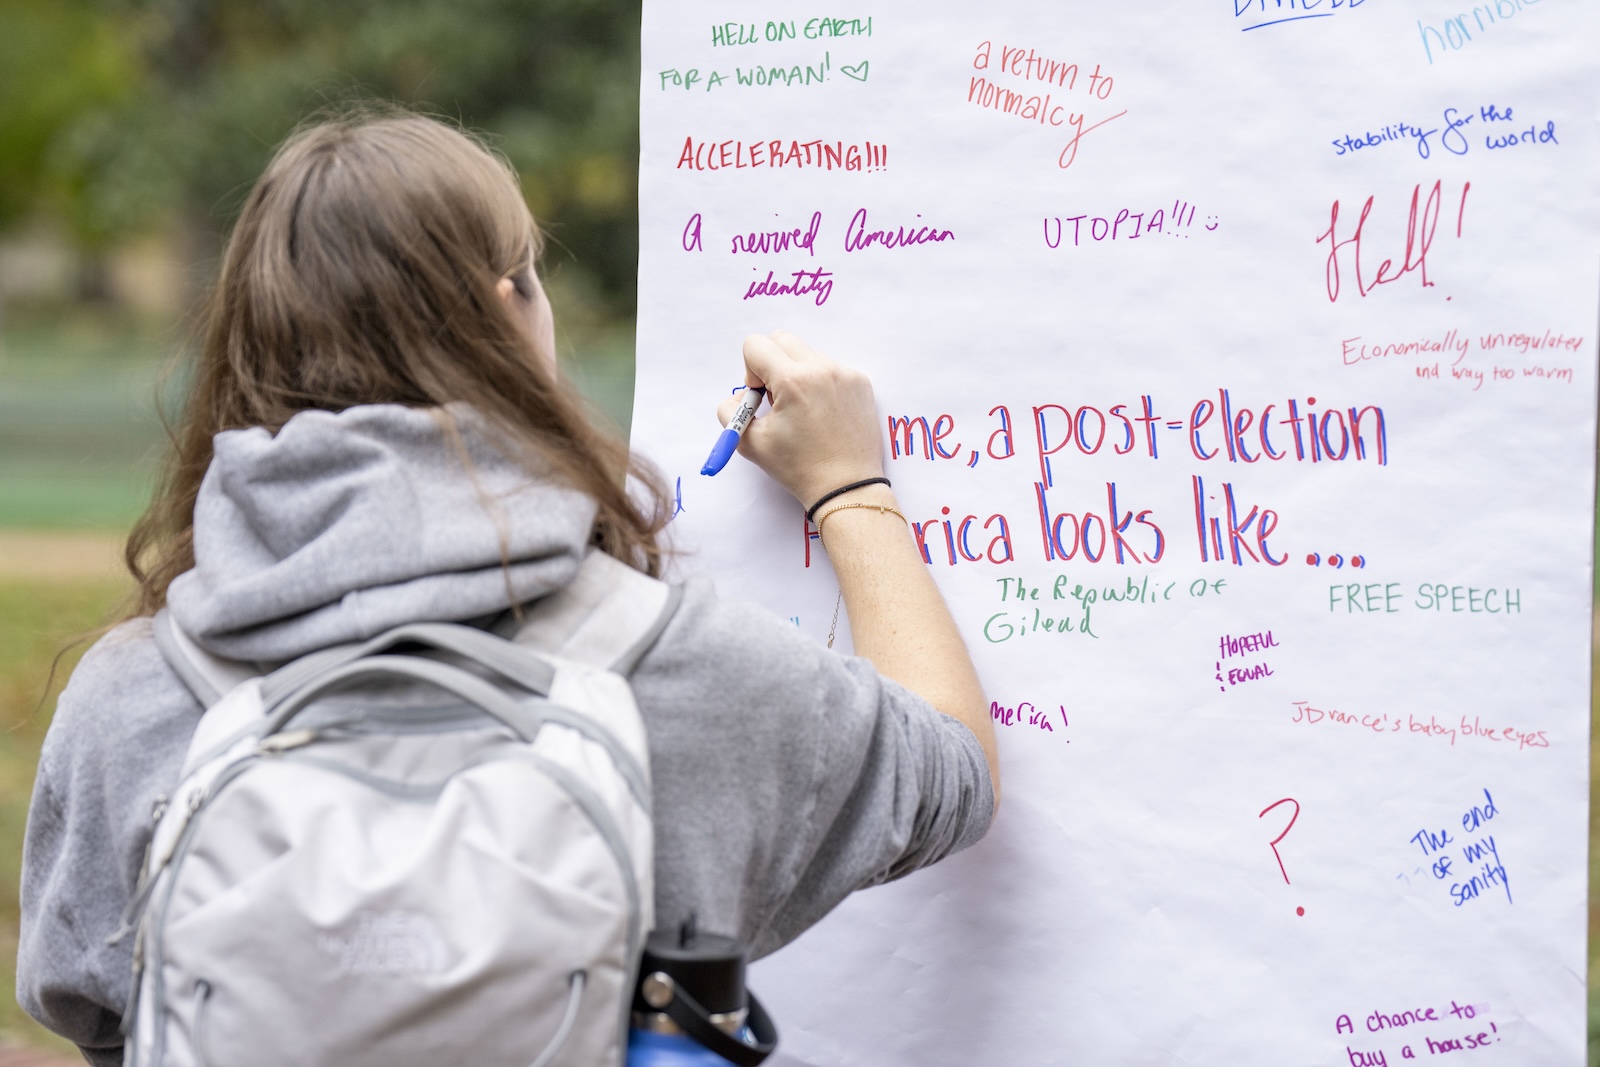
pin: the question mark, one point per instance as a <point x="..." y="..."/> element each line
<point x="1273" y="844"/>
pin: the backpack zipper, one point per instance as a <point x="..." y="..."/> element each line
<point x="197" y="802"/>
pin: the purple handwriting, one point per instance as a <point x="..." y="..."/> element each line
<point x="858" y="237"/>
<point x="1245" y="643"/>
<point x="1240" y="675"/>
<point x="1380" y="1022"/>
<point x="817" y="284"/>
<point x="1126" y="225"/>
<point x="1229" y="646"/>
<point x="1026" y="714"/>
<point x="776" y="242"/>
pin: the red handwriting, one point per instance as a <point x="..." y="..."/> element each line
<point x="1069" y="154"/>
<point x="1421" y="226"/>
<point x="816" y="155"/>
<point x="1273" y="844"/>
<point x="1385" y="724"/>
<point x="1044" y="109"/>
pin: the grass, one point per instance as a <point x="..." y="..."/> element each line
<point x="36" y="620"/>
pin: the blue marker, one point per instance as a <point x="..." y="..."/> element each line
<point x="723" y="450"/>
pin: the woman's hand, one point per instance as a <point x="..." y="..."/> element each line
<point x="821" y="434"/>
<point x="822" y="431"/>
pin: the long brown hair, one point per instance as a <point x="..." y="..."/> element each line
<point x="362" y="270"/>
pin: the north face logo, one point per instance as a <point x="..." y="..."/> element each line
<point x="386" y="942"/>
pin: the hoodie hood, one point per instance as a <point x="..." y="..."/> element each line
<point x="343" y="525"/>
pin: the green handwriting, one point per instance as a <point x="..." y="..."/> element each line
<point x="734" y="34"/>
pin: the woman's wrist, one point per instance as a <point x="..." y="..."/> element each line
<point x="828" y="497"/>
<point x="857" y="505"/>
<point x="866" y="503"/>
<point x="813" y="484"/>
<point x="872" y="490"/>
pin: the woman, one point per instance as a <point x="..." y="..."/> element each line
<point x="377" y="434"/>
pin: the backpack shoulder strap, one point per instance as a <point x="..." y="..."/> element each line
<point x="609" y="616"/>
<point x="208" y="677"/>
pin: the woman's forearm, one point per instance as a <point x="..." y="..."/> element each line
<point x="821" y="435"/>
<point x="898" y="619"/>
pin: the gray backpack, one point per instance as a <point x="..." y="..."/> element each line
<point x="429" y="848"/>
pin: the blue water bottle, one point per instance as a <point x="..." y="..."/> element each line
<point x="691" y="1008"/>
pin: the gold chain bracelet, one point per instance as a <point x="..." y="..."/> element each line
<point x="882" y="509"/>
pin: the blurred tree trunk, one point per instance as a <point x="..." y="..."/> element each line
<point x="94" y="283"/>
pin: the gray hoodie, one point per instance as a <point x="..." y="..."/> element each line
<point x="784" y="776"/>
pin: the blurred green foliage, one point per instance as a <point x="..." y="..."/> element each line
<point x="122" y="117"/>
<point x="59" y="63"/>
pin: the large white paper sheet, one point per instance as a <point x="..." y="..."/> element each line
<point x="1239" y="360"/>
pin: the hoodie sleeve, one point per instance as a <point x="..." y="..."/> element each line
<point x="786" y="776"/>
<point x="115" y="744"/>
<point x="899" y="786"/>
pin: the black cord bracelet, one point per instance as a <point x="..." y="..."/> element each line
<point x="811" y="512"/>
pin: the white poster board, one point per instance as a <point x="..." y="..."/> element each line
<point x="1240" y="364"/>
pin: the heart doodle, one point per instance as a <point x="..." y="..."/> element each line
<point x="858" y="72"/>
